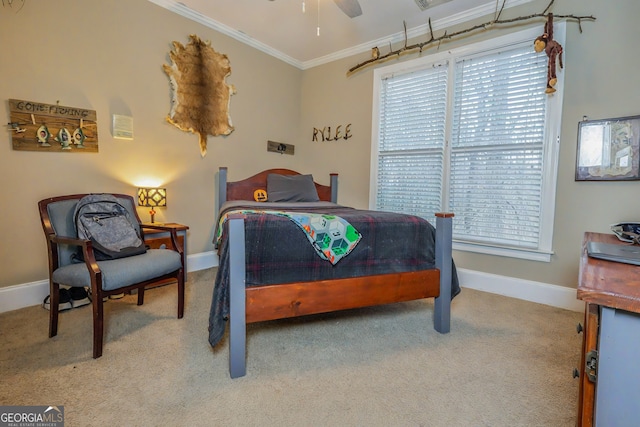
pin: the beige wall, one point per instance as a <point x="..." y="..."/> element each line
<point x="600" y="82"/>
<point x="107" y="56"/>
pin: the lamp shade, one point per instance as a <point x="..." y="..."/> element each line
<point x="152" y="197"/>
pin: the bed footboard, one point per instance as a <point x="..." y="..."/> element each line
<point x="238" y="293"/>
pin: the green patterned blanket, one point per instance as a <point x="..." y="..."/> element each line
<point x="331" y="236"/>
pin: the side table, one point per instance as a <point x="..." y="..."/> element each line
<point x="156" y="239"/>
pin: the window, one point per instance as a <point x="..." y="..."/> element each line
<point x="472" y="131"/>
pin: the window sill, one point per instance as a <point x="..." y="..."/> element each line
<point x="528" y="254"/>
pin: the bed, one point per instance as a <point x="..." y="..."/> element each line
<point x="269" y="269"/>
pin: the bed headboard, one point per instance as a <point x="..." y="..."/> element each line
<point x="243" y="190"/>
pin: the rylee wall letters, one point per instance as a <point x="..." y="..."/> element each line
<point x="326" y="134"/>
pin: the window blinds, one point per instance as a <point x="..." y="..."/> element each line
<point x="411" y="142"/>
<point x="492" y="171"/>
<point x="497" y="147"/>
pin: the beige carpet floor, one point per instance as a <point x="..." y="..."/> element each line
<point x="506" y="362"/>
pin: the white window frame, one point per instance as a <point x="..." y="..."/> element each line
<point x="551" y="144"/>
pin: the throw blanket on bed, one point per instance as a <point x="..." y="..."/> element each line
<point x="331" y="236"/>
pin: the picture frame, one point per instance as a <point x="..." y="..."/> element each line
<point x="608" y="149"/>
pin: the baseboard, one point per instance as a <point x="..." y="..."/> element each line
<point x="202" y="261"/>
<point x="528" y="290"/>
<point x="28" y="294"/>
<point x="24" y="295"/>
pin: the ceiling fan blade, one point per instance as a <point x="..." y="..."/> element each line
<point x="350" y="7"/>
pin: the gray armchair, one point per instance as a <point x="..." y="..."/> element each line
<point x="104" y="278"/>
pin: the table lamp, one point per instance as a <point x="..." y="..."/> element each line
<point x="152" y="197"/>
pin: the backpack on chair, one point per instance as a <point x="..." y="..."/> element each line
<point x="102" y="219"/>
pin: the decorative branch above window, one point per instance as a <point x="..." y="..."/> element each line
<point x="377" y="56"/>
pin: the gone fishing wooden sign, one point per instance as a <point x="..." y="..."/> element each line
<point x="36" y="126"/>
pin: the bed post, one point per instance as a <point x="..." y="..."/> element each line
<point x="237" y="300"/>
<point x="222" y="186"/>
<point x="334" y="187"/>
<point x="442" y="310"/>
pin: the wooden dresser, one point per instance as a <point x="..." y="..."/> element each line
<point x="609" y="371"/>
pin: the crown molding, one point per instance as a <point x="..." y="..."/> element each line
<point x="439" y="24"/>
<point x="189" y="13"/>
<point x="458" y="18"/>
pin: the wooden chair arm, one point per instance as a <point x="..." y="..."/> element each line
<point x="66" y="240"/>
<point x="87" y="250"/>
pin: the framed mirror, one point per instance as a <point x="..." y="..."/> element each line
<point x="608" y="149"/>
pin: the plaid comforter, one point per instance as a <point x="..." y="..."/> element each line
<point x="331" y="236"/>
<point x="277" y="251"/>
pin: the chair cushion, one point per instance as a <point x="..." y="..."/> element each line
<point x="122" y="272"/>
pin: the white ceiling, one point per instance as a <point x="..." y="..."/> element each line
<point x="280" y="28"/>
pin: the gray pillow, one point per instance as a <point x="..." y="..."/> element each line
<point x="291" y="188"/>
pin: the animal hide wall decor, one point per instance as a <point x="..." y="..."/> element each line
<point x="200" y="95"/>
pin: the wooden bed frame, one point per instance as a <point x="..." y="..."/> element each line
<point x="270" y="302"/>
